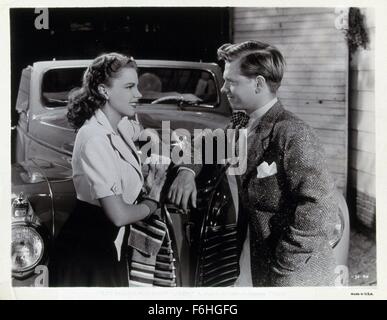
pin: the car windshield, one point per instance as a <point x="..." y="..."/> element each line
<point x="156" y="84"/>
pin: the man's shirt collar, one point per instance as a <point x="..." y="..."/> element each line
<point x="259" y="113"/>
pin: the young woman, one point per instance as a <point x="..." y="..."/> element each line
<point x="107" y="177"/>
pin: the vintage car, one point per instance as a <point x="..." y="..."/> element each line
<point x="187" y="94"/>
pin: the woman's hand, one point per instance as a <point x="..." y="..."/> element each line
<point x="155" y="172"/>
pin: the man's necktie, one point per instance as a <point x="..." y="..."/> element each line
<point x="239" y="119"/>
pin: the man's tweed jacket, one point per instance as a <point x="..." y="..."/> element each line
<point x="291" y="214"/>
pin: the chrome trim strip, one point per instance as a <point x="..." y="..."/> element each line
<point x="41" y="195"/>
<point x="51" y="197"/>
<point x="55" y="126"/>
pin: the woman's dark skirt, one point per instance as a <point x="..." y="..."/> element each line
<point x="84" y="254"/>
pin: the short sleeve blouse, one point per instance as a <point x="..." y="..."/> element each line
<point x="104" y="164"/>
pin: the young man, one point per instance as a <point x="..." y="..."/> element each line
<point x="288" y="196"/>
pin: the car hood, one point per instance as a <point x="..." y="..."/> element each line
<point x="34" y="171"/>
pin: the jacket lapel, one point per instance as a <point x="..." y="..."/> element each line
<point x="130" y="143"/>
<point x="123" y="148"/>
<point x="119" y="144"/>
<point x="258" y="142"/>
<point x="130" y="131"/>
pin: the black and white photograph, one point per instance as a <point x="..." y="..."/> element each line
<point x="193" y="147"/>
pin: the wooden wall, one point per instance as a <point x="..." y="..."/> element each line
<point x="362" y="126"/>
<point x="315" y="81"/>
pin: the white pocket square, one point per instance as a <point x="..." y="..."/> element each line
<point x="264" y="170"/>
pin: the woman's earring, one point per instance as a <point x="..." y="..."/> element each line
<point x="256" y="90"/>
<point x="103" y="93"/>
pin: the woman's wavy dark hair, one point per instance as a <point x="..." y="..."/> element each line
<point x="84" y="101"/>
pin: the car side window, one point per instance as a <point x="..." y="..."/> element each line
<point x="57" y="83"/>
<point x="156" y="83"/>
<point x="24" y="91"/>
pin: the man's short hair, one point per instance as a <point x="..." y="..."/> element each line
<point x="256" y="58"/>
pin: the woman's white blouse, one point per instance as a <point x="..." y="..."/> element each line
<point x="106" y="163"/>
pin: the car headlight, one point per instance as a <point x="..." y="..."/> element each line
<point x="27" y="249"/>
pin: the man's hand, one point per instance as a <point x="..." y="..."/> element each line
<point x="182" y="189"/>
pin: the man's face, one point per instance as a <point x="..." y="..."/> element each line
<point x="239" y="89"/>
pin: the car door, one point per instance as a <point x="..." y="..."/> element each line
<point x="50" y="133"/>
